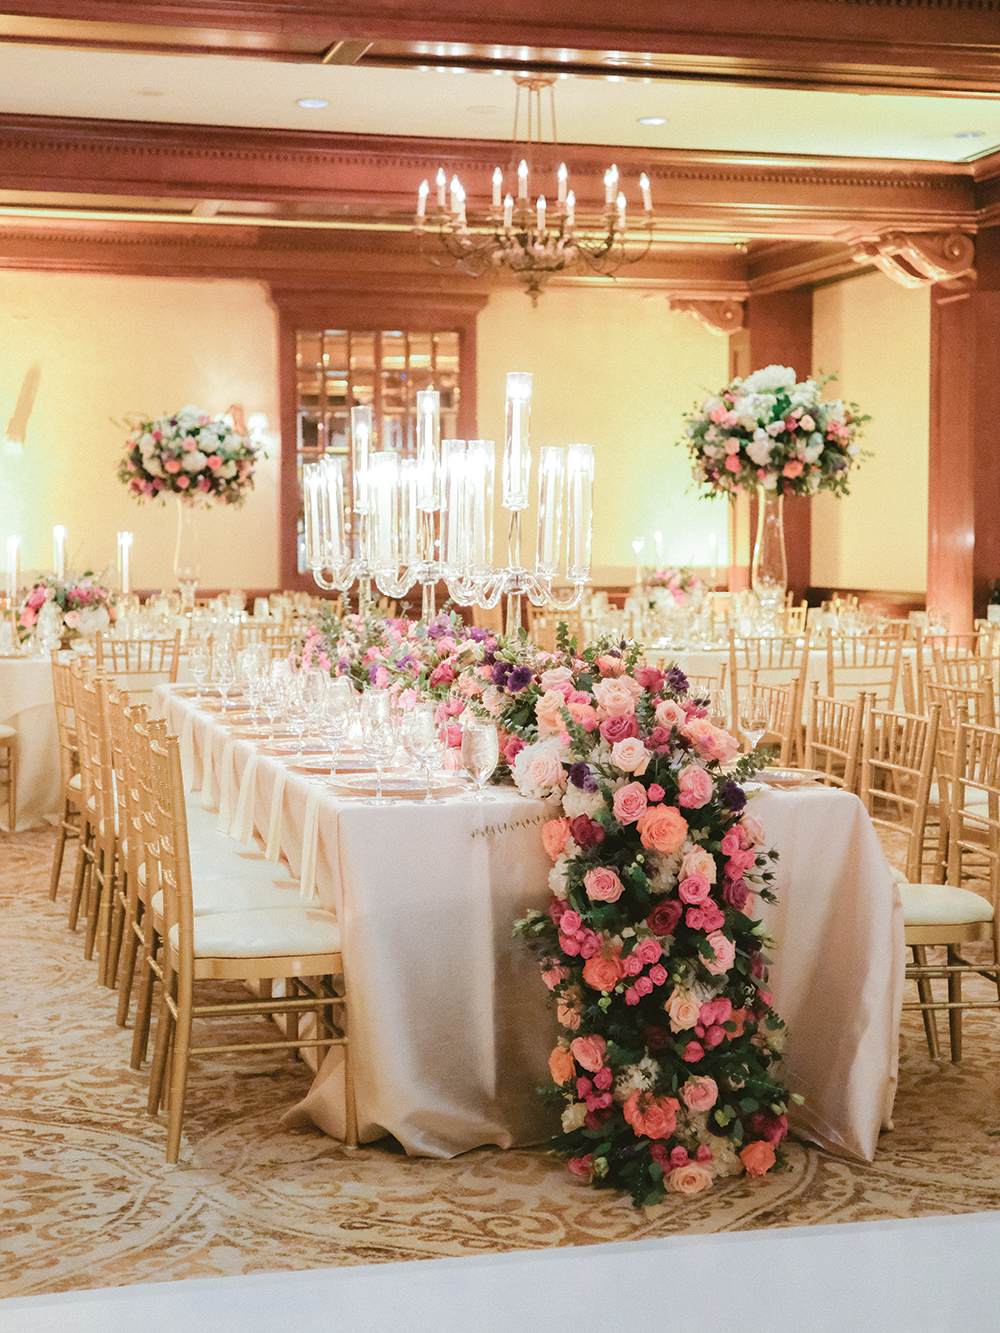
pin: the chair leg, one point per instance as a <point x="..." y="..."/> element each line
<point x="955" y="1015"/>
<point x="126" y="967"/>
<point x="57" y="859"/>
<point x="926" y="995"/>
<point x="178" y="1081"/>
<point x="144" y="1002"/>
<point x="161" y="1048"/>
<point x="79" y="875"/>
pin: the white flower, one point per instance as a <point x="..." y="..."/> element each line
<point x="662" y="870"/>
<point x="805" y="394"/>
<point x="227" y="471"/>
<point x="635" y="1078"/>
<point x="574" y="1116"/>
<point x="812" y="452"/>
<point x="760" y="450"/>
<point x="153" y="467"/>
<point x="494" y="700"/>
<point x="769" y="379"/>
<point x="577" y="802"/>
<point x="194" y="461"/>
<point x="558" y="878"/>
<point x="770" y="481"/>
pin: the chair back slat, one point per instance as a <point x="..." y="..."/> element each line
<point x="897" y="766"/>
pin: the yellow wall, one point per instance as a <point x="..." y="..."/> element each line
<point x="614" y="369"/>
<point x="113" y="347"/>
<point x="875" y="336"/>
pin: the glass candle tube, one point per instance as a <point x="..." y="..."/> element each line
<point x="551" y="482"/>
<point x="517" y="446"/>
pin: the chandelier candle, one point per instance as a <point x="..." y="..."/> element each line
<point x="517" y="449"/>
<point x="124" y="560"/>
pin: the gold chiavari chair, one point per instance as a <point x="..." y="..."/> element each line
<point x="8" y="771"/>
<point x="300" y="947"/>
<point x="69" y="767"/>
<point x="782" y="660"/>
<point x="949" y="915"/>
<point x="869" y="662"/>
<point x="782" y="702"/>
<point x="139" y="664"/>
<point x="833" y="738"/>
<point x="956" y="703"/>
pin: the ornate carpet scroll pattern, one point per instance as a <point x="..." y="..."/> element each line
<point x="91" y="1204"/>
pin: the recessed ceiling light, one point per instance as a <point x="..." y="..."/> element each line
<point x="652" y="120"/>
<point x="313" y="103"/>
<point x="970" y="134"/>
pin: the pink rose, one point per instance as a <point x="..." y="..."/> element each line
<point x="570" y="922"/>
<point x="617" y="694"/>
<point x="629" y="803"/>
<point x="649" y="1116"/>
<point x="619" y="728"/>
<point x="693" y="1052"/>
<point x="603" y="885"/>
<point x="700" y="1094"/>
<point x="214" y="462"/>
<point x="655" y="793"/>
<point x="554" y="835"/>
<point x="695" y="889"/>
<point x="753" y="828"/>
<point x="72" y="619"/>
<point x="689" y="1179"/>
<point x="443" y="674"/>
<point x="699" y="862"/>
<point x="733" y="463"/>
<point x="725" y="953"/>
<point x="583" y="712"/>
<point x="710" y="742"/>
<point x="662" y="828"/>
<point x="792" y="469"/>
<point x="589" y="1052"/>
<point x="552" y="976"/>
<point x="706" y="917"/>
<point x="650" y="678"/>
<point x="631" y="756"/>
<point x="603" y="973"/>
<point x="670" y="714"/>
<point x="610" y="666"/>
<point x="171" y="465"/>
<point x="696" y="787"/>
<point x="548" y="712"/>
<point x="681" y="1010"/>
<point x="556" y="676"/>
<point x="512" y="749"/>
<point x="183" y="483"/>
<point x="581" y="1166"/>
<point x="758" y="1157"/>
<point x="648" y="951"/>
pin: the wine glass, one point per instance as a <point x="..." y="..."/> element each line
<point x="376" y="706"/>
<point x="480" y="752"/>
<point x="718" y="708"/>
<point x="338" y="714"/>
<point x="223" y="670"/>
<point x="297" y="712"/>
<point x="423" y="740"/>
<point x="754" y="717"/>
<point x="199" y="664"/>
<point x="380" y="746"/>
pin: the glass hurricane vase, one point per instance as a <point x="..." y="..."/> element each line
<point x="187" y="554"/>
<point x="769" y="571"/>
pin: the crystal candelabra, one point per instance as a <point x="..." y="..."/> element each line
<point x="397" y="501"/>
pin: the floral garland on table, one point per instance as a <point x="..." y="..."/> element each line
<point x="770" y="431"/>
<point x="679" y="583"/>
<point x="83" y="606"/>
<point x="665" y="1070"/>
<point x="192" y="455"/>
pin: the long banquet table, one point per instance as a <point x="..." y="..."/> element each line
<point x="450" y="1031"/>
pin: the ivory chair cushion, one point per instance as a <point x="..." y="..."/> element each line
<point x="264" y="934"/>
<point x="7" y="733"/>
<point x="235" y="895"/>
<point x="942" y="905"/>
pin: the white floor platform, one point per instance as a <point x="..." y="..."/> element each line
<point x="931" y="1275"/>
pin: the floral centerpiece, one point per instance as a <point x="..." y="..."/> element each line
<point x="191" y="455"/>
<point x="672" y="586"/>
<point x="81" y="606"/>
<point x="665" y="1072"/>
<point x="773" y="432"/>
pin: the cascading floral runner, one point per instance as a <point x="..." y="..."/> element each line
<point x="666" y="1069"/>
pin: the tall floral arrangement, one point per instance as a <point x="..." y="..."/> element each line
<point x="772" y="432"/>
<point x="83" y="606"/>
<point x="192" y="455"/>
<point x="679" y="584"/>
<point x="665" y="1071"/>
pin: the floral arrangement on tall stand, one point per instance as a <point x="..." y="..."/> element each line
<point x="665" y="1071"/>
<point x="74" y="608"/>
<point x="192" y="455"/>
<point x="775" y="435"/>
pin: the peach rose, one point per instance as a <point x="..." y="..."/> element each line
<point x="554" y="835"/>
<point x="603" y="973"/>
<point x="691" y="1178"/>
<point x="584" y="713"/>
<point x="552" y="976"/>
<point x="562" y="1066"/>
<point x="617" y="695"/>
<point x="710" y="742"/>
<point x="548" y="713"/>
<point x="589" y="1052"/>
<point x="699" y="862"/>
<point x="555" y="676"/>
<point x="670" y="714"/>
<point x="568" y="1015"/>
<point x="603" y="885"/>
<point x="696" y="787"/>
<point x="538" y="769"/>
<point x="758" y="1157"/>
<point x="610" y="666"/>
<point x="700" y="1094"/>
<point x="630" y="755"/>
<point x="654" y="1117"/>
<point x="725" y="953"/>
<point x="753" y="828"/>
<point x="681" y="1010"/>
<point x="662" y="828"/>
<point x="629" y="802"/>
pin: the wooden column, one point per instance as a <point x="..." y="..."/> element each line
<point x="963" y="538"/>
<point x="778" y="331"/>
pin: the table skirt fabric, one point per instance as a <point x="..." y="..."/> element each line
<point x="27" y="704"/>
<point x="448" y="1017"/>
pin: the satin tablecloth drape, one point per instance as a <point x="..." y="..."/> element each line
<point x="27" y="704"/>
<point x="449" y="1026"/>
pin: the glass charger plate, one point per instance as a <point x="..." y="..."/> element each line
<point x="402" y="786"/>
<point x="789" y="777"/>
<point x="322" y="766"/>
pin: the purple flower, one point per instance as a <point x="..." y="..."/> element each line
<point x="344" y="666"/>
<point x="406" y="663"/>
<point x="733" y="797"/>
<point x="500" y="673"/>
<point x="677" y="680"/>
<point x="373" y="672"/>
<point x="439" y="627"/>
<point x="477" y="634"/>
<point x="581" y="777"/>
<point x="519" y="679"/>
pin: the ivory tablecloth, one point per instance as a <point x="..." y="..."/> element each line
<point x="27" y="705"/>
<point x="449" y="1027"/>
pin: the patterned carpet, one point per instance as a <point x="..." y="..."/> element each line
<point x="89" y="1202"/>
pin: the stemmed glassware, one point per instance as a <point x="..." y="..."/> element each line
<point x="272" y="699"/>
<point x="338" y="714"/>
<point x="754" y="717"/>
<point x="199" y="664"/>
<point x="223" y="669"/>
<point x="379" y="736"/>
<point x="423" y="740"/>
<point x="718" y="708"/>
<point x="296" y="713"/>
<point x="253" y="664"/>
<point x="480" y="751"/>
<point x="311" y="688"/>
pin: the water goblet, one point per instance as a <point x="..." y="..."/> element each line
<point x="199" y="664"/>
<point x="338" y="714"/>
<point x="423" y="740"/>
<point x="480" y="752"/>
<point x="754" y="718"/>
<point x="718" y="708"/>
<point x="223" y="670"/>
<point x="380" y="746"/>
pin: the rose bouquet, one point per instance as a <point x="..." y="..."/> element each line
<point x="192" y="455"/>
<point x="678" y="585"/>
<point x="770" y="431"/>
<point x="82" y="606"/>
<point x="665" y="1071"/>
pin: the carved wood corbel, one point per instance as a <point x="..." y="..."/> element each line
<point x="716" y="316"/>
<point x="917" y="259"/>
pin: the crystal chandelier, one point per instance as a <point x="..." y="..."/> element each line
<point x="429" y="518"/>
<point x="532" y="240"/>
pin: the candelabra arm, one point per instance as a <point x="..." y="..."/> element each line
<point x="428" y="601"/>
<point x="566" y="598"/>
